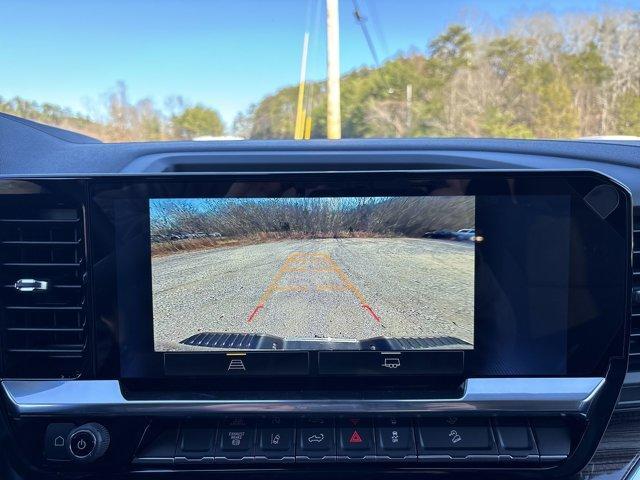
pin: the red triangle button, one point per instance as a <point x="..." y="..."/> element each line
<point x="355" y="437"/>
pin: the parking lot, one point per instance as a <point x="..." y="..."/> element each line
<point x="353" y="288"/>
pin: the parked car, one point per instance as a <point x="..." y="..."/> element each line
<point x="465" y="234"/>
<point x="442" y="234"/>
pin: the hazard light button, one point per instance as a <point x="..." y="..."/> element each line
<point x="356" y="440"/>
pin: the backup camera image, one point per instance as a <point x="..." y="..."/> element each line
<point x="376" y="273"/>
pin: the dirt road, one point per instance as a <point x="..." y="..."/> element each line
<point x="339" y="288"/>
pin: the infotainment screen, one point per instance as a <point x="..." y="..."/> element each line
<point x="401" y="273"/>
<point x="330" y="273"/>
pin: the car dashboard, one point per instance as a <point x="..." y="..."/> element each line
<point x="186" y="309"/>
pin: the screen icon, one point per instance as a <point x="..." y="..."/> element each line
<point x="236" y="438"/>
<point x="236" y="364"/>
<point x="393" y="362"/>
<point x="316" y="438"/>
<point x="454" y="437"/>
<point x="355" y="437"/>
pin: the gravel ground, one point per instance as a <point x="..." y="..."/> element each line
<point x="339" y="288"/>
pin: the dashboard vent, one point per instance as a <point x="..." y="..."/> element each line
<point x="630" y="395"/>
<point x="44" y="321"/>
<point x="634" y="349"/>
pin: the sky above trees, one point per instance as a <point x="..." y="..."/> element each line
<point x="226" y="54"/>
<point x="555" y="70"/>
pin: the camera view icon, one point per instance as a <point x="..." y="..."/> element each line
<point x="236" y="364"/>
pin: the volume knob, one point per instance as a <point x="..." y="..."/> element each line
<point x="88" y="442"/>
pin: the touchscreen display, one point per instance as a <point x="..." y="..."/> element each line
<point x="341" y="273"/>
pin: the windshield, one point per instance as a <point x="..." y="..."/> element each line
<point x="283" y="69"/>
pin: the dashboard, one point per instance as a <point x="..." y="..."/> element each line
<point x="458" y="307"/>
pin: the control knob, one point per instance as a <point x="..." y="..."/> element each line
<point x="88" y="442"/>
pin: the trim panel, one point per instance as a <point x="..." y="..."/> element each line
<point x="482" y="396"/>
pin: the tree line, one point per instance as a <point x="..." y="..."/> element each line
<point x="176" y="219"/>
<point x="544" y="76"/>
<point x="118" y="119"/>
<point x="541" y="76"/>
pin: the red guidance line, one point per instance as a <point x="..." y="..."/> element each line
<point x="370" y="310"/>
<point x="254" y="312"/>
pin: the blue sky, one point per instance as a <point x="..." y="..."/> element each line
<point x="226" y="53"/>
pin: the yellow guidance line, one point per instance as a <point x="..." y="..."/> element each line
<point x="299" y="262"/>
<point x="331" y="288"/>
<point x="345" y="279"/>
<point x="292" y="288"/>
<point x="273" y="285"/>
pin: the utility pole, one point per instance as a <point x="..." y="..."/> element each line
<point x="333" y="71"/>
<point x="409" y="106"/>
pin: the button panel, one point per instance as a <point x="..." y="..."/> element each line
<point x="515" y="441"/>
<point x="245" y="364"/>
<point x="391" y="363"/>
<point x="236" y="440"/>
<point x="428" y="440"/>
<point x="396" y="439"/>
<point x="456" y="439"/>
<point x="55" y="441"/>
<point x="356" y="440"/>
<point x="553" y="438"/>
<point x="276" y="440"/>
<point x="196" y="443"/>
<point x="316" y="440"/>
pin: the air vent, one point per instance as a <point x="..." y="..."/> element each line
<point x="634" y="349"/>
<point x="43" y="275"/>
<point x="630" y="395"/>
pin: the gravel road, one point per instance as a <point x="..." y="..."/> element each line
<point x="340" y="288"/>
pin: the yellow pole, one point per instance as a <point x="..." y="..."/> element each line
<point x="307" y="128"/>
<point x="300" y="114"/>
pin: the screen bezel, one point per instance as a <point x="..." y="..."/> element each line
<point x="138" y="361"/>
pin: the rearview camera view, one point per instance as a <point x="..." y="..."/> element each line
<point x="376" y="273"/>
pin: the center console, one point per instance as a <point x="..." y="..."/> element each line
<point x="383" y="320"/>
